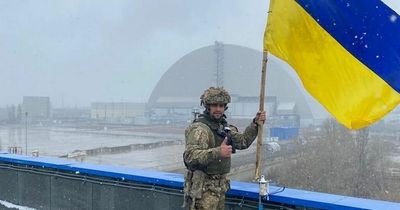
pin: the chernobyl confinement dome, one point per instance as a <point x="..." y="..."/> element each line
<point x="237" y="69"/>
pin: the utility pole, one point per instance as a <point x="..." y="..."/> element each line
<point x="26" y="133"/>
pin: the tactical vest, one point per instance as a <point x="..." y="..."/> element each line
<point x="220" y="165"/>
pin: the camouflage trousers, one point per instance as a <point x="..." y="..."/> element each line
<point x="209" y="201"/>
<point x="205" y="192"/>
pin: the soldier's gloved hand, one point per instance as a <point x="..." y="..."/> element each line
<point x="260" y="118"/>
<point x="225" y="150"/>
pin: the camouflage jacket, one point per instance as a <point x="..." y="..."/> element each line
<point x="203" y="146"/>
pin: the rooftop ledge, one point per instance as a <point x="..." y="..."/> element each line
<point x="240" y="189"/>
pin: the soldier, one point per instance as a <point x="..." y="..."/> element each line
<point x="207" y="155"/>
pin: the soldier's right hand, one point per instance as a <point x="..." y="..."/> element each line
<point x="225" y="150"/>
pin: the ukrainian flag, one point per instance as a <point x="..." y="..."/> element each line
<point x="347" y="54"/>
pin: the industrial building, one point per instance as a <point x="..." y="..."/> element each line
<point x="3" y="114"/>
<point x="68" y="114"/>
<point x="117" y="112"/>
<point x="37" y="107"/>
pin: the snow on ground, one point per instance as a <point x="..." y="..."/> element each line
<point x="10" y="205"/>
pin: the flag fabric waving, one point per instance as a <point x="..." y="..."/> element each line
<point x="346" y="52"/>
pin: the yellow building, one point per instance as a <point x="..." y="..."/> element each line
<point x="116" y="111"/>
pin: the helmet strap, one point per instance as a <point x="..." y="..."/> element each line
<point x="207" y="106"/>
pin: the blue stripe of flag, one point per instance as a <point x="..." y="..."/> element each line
<point x="369" y="30"/>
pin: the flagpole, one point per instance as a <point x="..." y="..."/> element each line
<point x="261" y="108"/>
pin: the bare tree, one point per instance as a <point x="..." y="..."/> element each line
<point x="339" y="161"/>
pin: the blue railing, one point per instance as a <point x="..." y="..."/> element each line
<point x="249" y="191"/>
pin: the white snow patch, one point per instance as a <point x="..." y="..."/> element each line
<point x="393" y="18"/>
<point x="10" y="205"/>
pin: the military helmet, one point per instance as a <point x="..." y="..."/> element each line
<point x="215" y="95"/>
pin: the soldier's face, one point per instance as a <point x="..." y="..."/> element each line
<point x="217" y="110"/>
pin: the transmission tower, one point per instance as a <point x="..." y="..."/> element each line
<point x="219" y="74"/>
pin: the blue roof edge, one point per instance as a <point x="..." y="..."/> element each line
<point x="239" y="189"/>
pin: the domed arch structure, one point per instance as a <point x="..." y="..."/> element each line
<point x="237" y="69"/>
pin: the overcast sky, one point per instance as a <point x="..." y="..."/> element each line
<point x="79" y="52"/>
<point x="83" y="51"/>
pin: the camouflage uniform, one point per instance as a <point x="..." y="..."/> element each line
<point x="205" y="180"/>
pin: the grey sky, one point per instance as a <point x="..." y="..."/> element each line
<point x="85" y="51"/>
